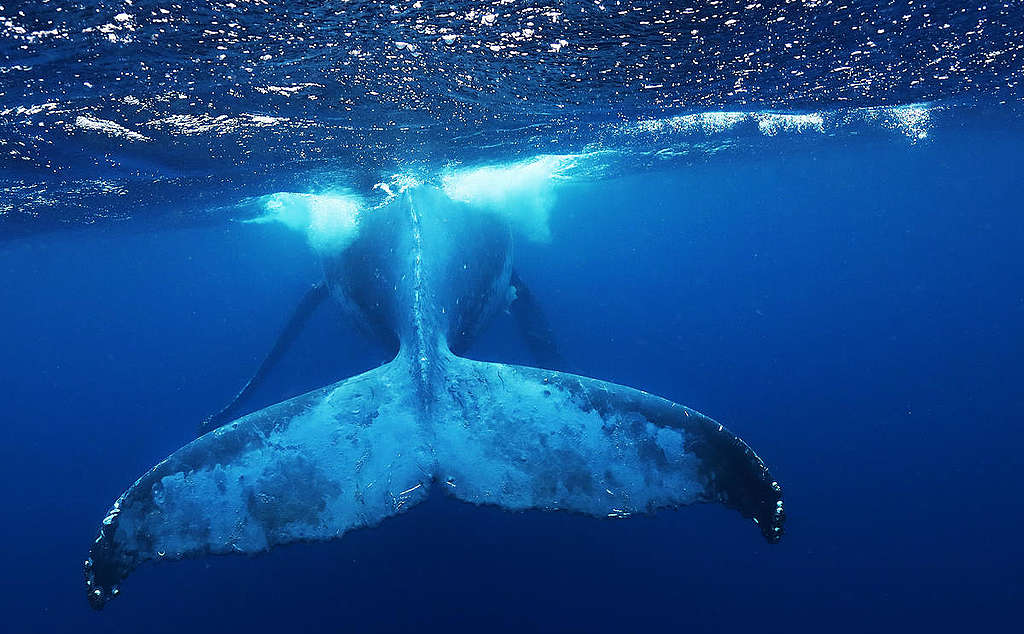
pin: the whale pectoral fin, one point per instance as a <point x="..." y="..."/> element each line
<point x="524" y="438"/>
<point x="533" y="325"/>
<point x="312" y="300"/>
<point x="310" y="468"/>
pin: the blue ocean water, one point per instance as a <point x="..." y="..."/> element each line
<point x="827" y="262"/>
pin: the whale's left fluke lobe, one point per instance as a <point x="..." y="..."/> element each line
<point x="308" y="469"/>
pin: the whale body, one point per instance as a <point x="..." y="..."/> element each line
<point x="427" y="273"/>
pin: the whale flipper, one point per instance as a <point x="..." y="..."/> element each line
<point x="525" y="438"/>
<point x="312" y="300"/>
<point x="309" y="468"/>
<point x="533" y="325"/>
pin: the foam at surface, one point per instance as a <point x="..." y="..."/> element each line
<point x="523" y="192"/>
<point x="330" y="221"/>
<point x="913" y="120"/>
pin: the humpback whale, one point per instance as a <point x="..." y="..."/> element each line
<point x="426" y="272"/>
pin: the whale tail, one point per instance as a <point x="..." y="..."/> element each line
<point x="363" y="449"/>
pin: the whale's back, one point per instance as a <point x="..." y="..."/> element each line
<point x="424" y="261"/>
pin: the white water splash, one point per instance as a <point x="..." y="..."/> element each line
<point x="523" y="192"/>
<point x="330" y="221"/>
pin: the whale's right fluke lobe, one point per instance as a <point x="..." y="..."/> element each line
<point x="525" y="438"/>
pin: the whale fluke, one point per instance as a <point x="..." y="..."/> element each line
<point x="363" y="449"/>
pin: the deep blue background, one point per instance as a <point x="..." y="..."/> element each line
<point x="853" y="308"/>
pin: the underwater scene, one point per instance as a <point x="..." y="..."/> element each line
<point x="511" y="315"/>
